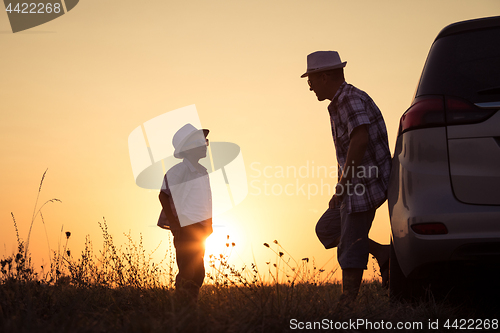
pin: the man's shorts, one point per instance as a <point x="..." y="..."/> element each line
<point x="347" y="232"/>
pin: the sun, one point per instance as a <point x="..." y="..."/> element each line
<point x="221" y="241"/>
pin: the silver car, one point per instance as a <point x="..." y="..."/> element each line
<point x="444" y="192"/>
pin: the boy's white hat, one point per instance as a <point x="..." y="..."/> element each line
<point x="183" y="135"/>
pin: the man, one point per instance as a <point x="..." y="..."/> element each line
<point x="186" y="201"/>
<point x="363" y="157"/>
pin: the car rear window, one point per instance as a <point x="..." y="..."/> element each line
<point x="465" y="65"/>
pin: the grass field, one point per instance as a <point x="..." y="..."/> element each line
<point x="119" y="289"/>
<point x="37" y="307"/>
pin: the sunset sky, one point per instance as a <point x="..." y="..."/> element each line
<point x="73" y="89"/>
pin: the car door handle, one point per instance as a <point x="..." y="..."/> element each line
<point x="488" y="105"/>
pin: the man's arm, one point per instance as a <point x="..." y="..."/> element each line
<point x="357" y="148"/>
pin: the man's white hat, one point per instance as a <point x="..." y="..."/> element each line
<point x="183" y="135"/>
<point x="322" y="61"/>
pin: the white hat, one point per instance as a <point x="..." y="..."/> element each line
<point x="182" y="136"/>
<point x="322" y="61"/>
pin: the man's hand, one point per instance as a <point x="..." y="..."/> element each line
<point x="338" y="196"/>
<point x="335" y="201"/>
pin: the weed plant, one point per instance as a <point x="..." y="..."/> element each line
<point x="120" y="289"/>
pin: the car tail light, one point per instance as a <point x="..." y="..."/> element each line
<point x="459" y="111"/>
<point x="430" y="229"/>
<point x="436" y="111"/>
<point x="425" y="112"/>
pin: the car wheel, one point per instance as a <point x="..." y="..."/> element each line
<point x="402" y="288"/>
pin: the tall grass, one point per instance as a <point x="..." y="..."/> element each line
<point x="111" y="267"/>
<point x="121" y="289"/>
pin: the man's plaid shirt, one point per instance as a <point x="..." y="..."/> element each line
<point x="350" y="108"/>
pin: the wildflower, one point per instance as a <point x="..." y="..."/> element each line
<point x="227" y="244"/>
<point x="305" y="259"/>
<point x="281" y="254"/>
<point x="68" y="234"/>
<point x="69" y="253"/>
<point x="266" y="245"/>
<point x="275" y="241"/>
<point x="233" y="244"/>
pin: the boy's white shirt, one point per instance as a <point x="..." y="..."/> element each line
<point x="191" y="193"/>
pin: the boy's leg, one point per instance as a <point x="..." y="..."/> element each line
<point x="186" y="252"/>
<point x="198" y="260"/>
<point x="189" y="243"/>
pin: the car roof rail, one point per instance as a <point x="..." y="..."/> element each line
<point x="469" y="25"/>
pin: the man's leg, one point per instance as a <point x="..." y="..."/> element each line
<point x="351" y="281"/>
<point x="382" y="253"/>
<point x="353" y="250"/>
<point x="328" y="228"/>
<point x="379" y="251"/>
